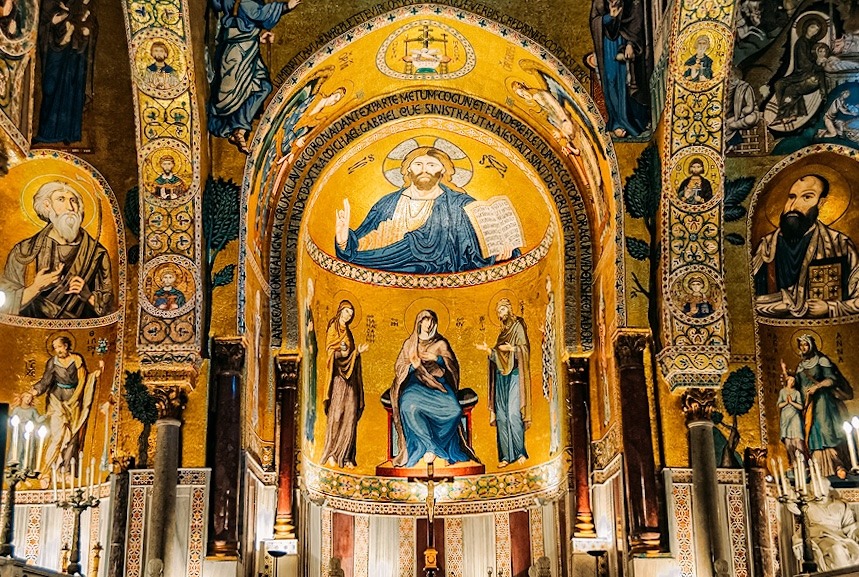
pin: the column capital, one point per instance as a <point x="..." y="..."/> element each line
<point x="698" y="405"/>
<point x="577" y="369"/>
<point x="170" y="401"/>
<point x="629" y="349"/>
<point x="287" y="367"/>
<point x="228" y="355"/>
<point x="756" y="457"/>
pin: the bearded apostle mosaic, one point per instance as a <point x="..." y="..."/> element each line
<point x="63" y="271"/>
<point x="806" y="267"/>
<point x="430" y="224"/>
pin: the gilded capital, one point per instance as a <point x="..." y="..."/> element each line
<point x="698" y="404"/>
<point x="170" y="401"/>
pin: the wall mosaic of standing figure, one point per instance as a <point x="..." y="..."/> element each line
<point x="168" y="136"/>
<point x="18" y="32"/>
<point x="68" y="32"/>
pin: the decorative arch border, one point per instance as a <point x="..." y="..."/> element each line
<point x="339" y="37"/>
<point x="317" y="154"/>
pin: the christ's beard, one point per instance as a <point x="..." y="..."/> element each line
<point x="426" y="181"/>
<point x="794" y="224"/>
<point x="67" y="225"/>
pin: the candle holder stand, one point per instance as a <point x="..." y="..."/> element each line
<point x="78" y="503"/>
<point x="15" y="474"/>
<point x="797" y="504"/>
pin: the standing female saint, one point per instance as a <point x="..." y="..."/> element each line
<point x="345" y="401"/>
<point x="426" y="411"/>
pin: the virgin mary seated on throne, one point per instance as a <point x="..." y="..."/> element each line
<point x="429" y="417"/>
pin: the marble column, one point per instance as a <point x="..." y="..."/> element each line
<point x="119" y="481"/>
<point x="698" y="406"/>
<point x="223" y="451"/>
<point x="170" y="400"/>
<point x="578" y="411"/>
<point x="287" y="406"/>
<point x="755" y="462"/>
<point x="642" y="486"/>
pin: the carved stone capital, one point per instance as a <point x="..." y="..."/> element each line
<point x="755" y="457"/>
<point x="287" y="367"/>
<point x="170" y="401"/>
<point x="122" y="463"/>
<point x="229" y="355"/>
<point x="629" y="350"/>
<point x="183" y="376"/>
<point x="577" y="370"/>
<point x="698" y="404"/>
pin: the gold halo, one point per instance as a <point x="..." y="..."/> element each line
<point x="462" y="165"/>
<point x="426" y="303"/>
<point x="697" y="275"/>
<point x="343" y="295"/>
<point x="492" y="316"/>
<point x="837" y="201"/>
<point x="54" y="336"/>
<point x="28" y="191"/>
<point x="178" y="274"/>
<point x="798" y="333"/>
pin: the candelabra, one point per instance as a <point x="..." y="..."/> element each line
<point x="15" y="473"/>
<point x="18" y="468"/>
<point x="78" y="502"/>
<point x="798" y="495"/>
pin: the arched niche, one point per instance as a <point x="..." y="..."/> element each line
<point x="804" y="271"/>
<point x="75" y="321"/>
<point x="330" y="132"/>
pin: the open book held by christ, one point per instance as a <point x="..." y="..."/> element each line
<point x="497" y="225"/>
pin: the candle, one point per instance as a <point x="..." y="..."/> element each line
<point x="80" y="469"/>
<point x="54" y="478"/>
<point x="798" y="473"/>
<point x="776" y="478"/>
<point x="851" y="444"/>
<point x="63" y="481"/>
<point x="13" y="451"/>
<point x="28" y="442"/>
<point x="785" y="486"/>
<point x="42" y="433"/>
<point x="72" y="471"/>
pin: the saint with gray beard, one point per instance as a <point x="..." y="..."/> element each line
<point x="62" y="272"/>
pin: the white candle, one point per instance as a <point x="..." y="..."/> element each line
<point x="54" y="478"/>
<point x="13" y="450"/>
<point x="42" y="433"/>
<point x="28" y="438"/>
<point x="851" y="444"/>
<point x="776" y="478"/>
<point x="63" y="481"/>
<point x="798" y="472"/>
<point x="784" y="484"/>
<point x="80" y="469"/>
<point x="73" y="469"/>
